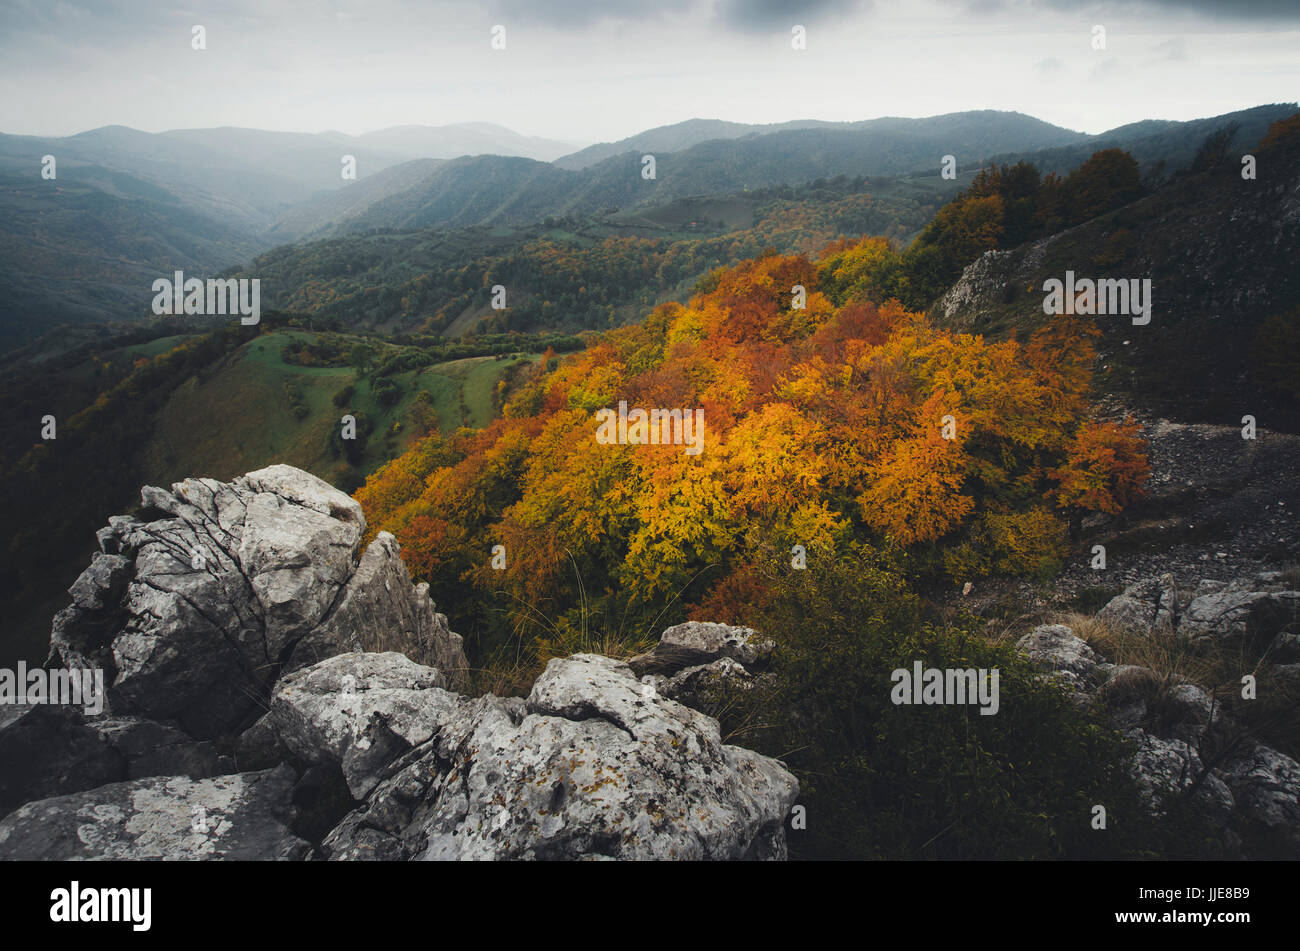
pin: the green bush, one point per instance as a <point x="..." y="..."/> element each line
<point x="387" y="392"/>
<point x="886" y="781"/>
<point x="344" y="396"/>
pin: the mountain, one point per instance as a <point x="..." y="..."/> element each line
<point x="87" y="246"/>
<point x="466" y="138"/>
<point x="678" y="136"/>
<point x="344" y="204"/>
<point x="128" y="206"/>
<point x="497" y="190"/>
<point x="569" y="272"/>
<point x="683" y="135"/>
<point x="1220" y="253"/>
<point x="512" y="191"/>
<point x="258" y="173"/>
<point x="1160" y="145"/>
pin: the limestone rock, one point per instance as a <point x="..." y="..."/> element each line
<point x="1065" y="657"/>
<point x="48" y="750"/>
<point x="360" y="711"/>
<point x="586" y="767"/>
<point x="702" y="642"/>
<point x="240" y="816"/>
<point x="1266" y="785"/>
<point x="194" y="613"/>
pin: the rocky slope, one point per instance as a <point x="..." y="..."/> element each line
<point x="1197" y="739"/>
<point x="252" y="712"/>
<point x="1217" y="507"/>
<point x="255" y="709"/>
<point x="1219" y="250"/>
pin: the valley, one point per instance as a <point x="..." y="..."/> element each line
<point x="530" y="439"/>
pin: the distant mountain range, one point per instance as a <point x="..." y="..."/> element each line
<point x="1152" y="141"/>
<point x="492" y="190"/>
<point x="683" y="135"/>
<point x="127" y="206"/>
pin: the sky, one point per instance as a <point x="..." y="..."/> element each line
<point x="584" y="71"/>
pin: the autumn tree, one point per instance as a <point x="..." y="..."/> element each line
<point x="845" y="421"/>
<point x="1104" y="470"/>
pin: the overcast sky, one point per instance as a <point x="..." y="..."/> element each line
<point x="599" y="70"/>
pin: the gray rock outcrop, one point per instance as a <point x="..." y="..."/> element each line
<point x="238" y="816"/>
<point x="698" y="663"/>
<point x="194" y="613"/>
<point x="587" y="767"/>
<point x="1260" y="611"/>
<point x="1184" y="742"/>
<point x="275" y="693"/>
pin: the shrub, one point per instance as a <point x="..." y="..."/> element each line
<point x="886" y="781"/>
<point x="344" y="396"/>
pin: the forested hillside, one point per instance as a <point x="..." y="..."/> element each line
<point x="578" y="273"/>
<point x="825" y="426"/>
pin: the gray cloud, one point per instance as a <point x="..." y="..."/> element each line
<point x="1242" y="11"/>
<point x="1234" y="10"/>
<point x="567" y="14"/>
<point x="1245" y="12"/>
<point x="754" y="16"/>
<point x="603" y="69"/>
<point x="742" y="16"/>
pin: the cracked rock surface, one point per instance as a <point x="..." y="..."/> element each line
<point x="248" y="715"/>
<point x="587" y="767"/>
<point x="1184" y="743"/>
<point x="236" y="816"/>
<point x="195" y="611"/>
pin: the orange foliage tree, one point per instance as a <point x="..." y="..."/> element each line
<point x="822" y="423"/>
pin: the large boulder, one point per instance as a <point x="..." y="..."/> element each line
<point x="702" y="664"/>
<point x="275" y="692"/>
<point x="380" y="601"/>
<point x="195" y="609"/>
<point x="1266" y="785"/>
<point x="698" y="643"/>
<point x="589" y="766"/>
<point x="48" y="750"/>
<point x="1068" y="659"/>
<point x="51" y="750"/>
<point x="238" y="816"/>
<point x="1235" y="615"/>
<point x="1165" y="767"/>
<point x="1246" y="611"/>
<point x="359" y="711"/>
<point x="1146" y="606"/>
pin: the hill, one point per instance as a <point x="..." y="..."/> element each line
<point x="172" y="399"/>
<point x="128" y="206"/>
<point x="1220" y="252"/>
<point x="494" y="190"/>
<point x="575" y="273"/>
<point x="1161" y="146"/>
<point x="702" y="157"/>
<point x="684" y="135"/>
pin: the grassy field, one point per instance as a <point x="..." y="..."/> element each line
<point x="240" y="415"/>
